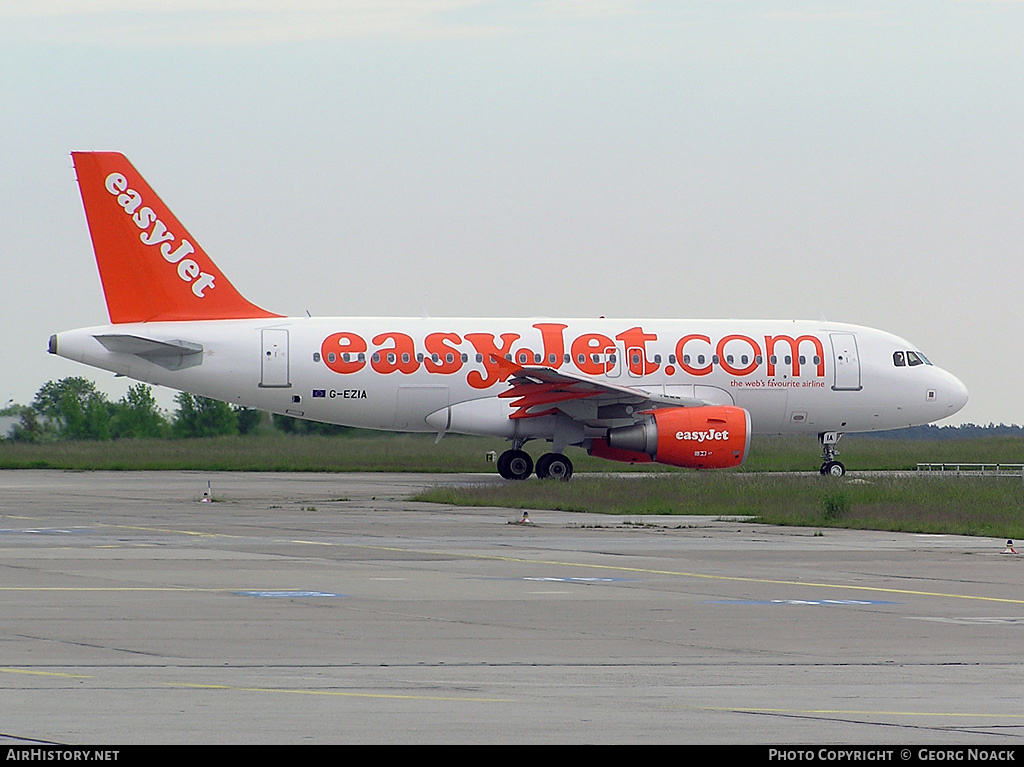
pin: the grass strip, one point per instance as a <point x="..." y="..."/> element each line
<point x="982" y="506"/>
<point x="380" y="451"/>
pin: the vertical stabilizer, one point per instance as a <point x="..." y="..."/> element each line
<point x="151" y="267"/>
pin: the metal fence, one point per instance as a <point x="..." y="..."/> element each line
<point x="974" y="469"/>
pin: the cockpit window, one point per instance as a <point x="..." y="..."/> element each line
<point x="914" y="359"/>
<point x="898" y="359"/>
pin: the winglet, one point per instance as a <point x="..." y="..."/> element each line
<point x="151" y="268"/>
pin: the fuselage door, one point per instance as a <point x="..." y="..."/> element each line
<point x="415" y="403"/>
<point x="846" y="362"/>
<point x="635" y="361"/>
<point x="274" y="361"/>
<point x="610" y="359"/>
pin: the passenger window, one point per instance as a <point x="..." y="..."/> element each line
<point x="316" y="356"/>
<point x="897" y="359"/>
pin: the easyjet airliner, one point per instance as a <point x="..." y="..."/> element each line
<point x="679" y="392"/>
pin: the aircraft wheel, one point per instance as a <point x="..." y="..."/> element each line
<point x="554" y="466"/>
<point x="515" y="464"/>
<point x="503" y="460"/>
<point x="833" y="469"/>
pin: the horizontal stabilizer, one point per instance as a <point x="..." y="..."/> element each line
<point x="171" y="355"/>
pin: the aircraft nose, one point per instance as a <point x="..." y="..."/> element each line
<point x="957" y="394"/>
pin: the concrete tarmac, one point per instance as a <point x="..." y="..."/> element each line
<point x="312" y="608"/>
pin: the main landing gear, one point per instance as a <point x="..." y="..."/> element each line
<point x="517" y="464"/>
<point x="554" y="466"/>
<point x="830" y="467"/>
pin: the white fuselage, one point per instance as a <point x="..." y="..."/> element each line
<point x="439" y="374"/>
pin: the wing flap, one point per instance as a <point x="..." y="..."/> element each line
<point x="539" y="391"/>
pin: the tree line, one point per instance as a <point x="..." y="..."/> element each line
<point x="74" y="409"/>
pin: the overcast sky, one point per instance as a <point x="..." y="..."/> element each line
<point x="857" y="160"/>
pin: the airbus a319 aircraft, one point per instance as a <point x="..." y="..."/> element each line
<point x="685" y="393"/>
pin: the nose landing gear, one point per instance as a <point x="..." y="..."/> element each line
<point x="830" y="467"/>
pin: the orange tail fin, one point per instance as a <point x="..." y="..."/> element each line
<point x="151" y="267"/>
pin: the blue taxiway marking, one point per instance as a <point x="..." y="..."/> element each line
<point x="583" y="580"/>
<point x="813" y="602"/>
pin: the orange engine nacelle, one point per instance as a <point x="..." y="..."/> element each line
<point x="712" y="437"/>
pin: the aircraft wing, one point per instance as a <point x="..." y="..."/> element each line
<point x="538" y="390"/>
